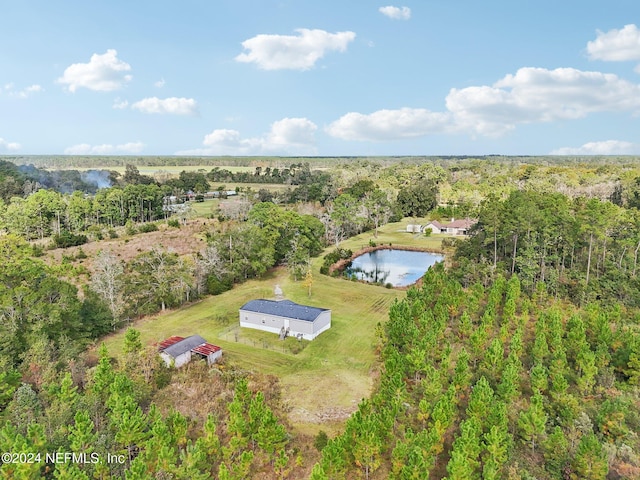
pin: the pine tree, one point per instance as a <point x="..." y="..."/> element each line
<point x="464" y="463"/>
<point x="538" y="377"/>
<point x="496" y="442"/>
<point x="481" y="400"/>
<point x="104" y="374"/>
<point x="556" y="453"/>
<point x="69" y="471"/>
<point x="590" y="461"/>
<point x="531" y="422"/>
<point x="633" y="365"/>
<point x="318" y="473"/>
<point x="82" y="437"/>
<point x="509" y="387"/>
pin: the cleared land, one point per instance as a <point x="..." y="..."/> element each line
<point x="327" y="378"/>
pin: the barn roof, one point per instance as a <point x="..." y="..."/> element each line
<point x="181" y="346"/>
<point x="206" y="349"/>
<point x="284" y="308"/>
<point x="168" y="342"/>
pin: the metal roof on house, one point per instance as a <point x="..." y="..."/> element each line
<point x="184" y="345"/>
<point x="284" y="308"/>
<point x="168" y="342"/>
<point x="206" y="349"/>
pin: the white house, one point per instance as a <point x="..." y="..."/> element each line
<point x="455" y="227"/>
<point x="177" y="351"/>
<point x="285" y="318"/>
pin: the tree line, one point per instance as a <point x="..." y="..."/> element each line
<point x="579" y="248"/>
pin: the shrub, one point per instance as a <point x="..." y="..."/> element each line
<point x="173" y="222"/>
<point x="37" y="250"/>
<point x="112" y="233"/>
<point x="334" y="256"/>
<point x="321" y="440"/>
<point x="450" y="242"/>
<point x="148" y="227"/>
<point x="80" y="254"/>
<point x="67" y="239"/>
<point x="216" y="286"/>
<point x="130" y="228"/>
<point x="95" y="232"/>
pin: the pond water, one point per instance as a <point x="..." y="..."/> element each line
<point x="397" y="267"/>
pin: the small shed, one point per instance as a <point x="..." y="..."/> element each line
<point x="285" y="318"/>
<point x="414" y="228"/>
<point x="177" y="351"/>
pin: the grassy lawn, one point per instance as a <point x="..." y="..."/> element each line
<point x="395" y="234"/>
<point x="322" y="383"/>
<point x="206" y="208"/>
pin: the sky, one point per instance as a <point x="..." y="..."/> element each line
<point x="320" y="78"/>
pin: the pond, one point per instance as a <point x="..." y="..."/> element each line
<point x="397" y="267"/>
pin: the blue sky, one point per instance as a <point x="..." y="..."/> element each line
<point x="327" y="78"/>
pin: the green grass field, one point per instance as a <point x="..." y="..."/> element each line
<point x="325" y="381"/>
<point x="206" y="208"/>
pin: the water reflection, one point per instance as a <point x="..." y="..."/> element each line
<point x="397" y="267"/>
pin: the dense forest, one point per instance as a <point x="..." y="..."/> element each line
<point x="519" y="360"/>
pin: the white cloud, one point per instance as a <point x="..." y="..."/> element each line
<point x="103" y="73"/>
<point x="535" y="95"/>
<point x="531" y="95"/>
<point x="616" y="45"/>
<point x="396" y="13"/>
<point x="289" y="136"/>
<point x="8" y="146"/>
<point x="104" y="149"/>
<point x="606" y="147"/>
<point x="160" y="83"/>
<point x="291" y="132"/>
<point x="293" y="52"/>
<point x="24" y="93"/>
<point x="172" y="106"/>
<point x="120" y="104"/>
<point x="389" y="124"/>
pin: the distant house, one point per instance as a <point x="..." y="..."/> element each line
<point x="285" y="318"/>
<point x="434" y="225"/>
<point x="177" y="351"/>
<point x="455" y="227"/>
